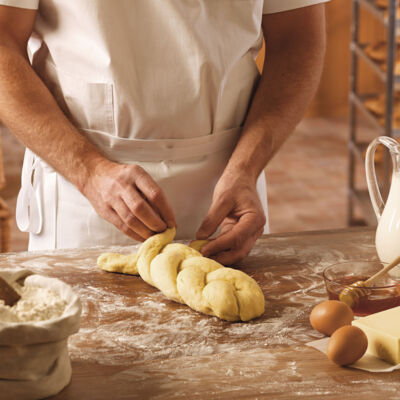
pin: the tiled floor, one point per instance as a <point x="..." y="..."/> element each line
<point x="306" y="180"/>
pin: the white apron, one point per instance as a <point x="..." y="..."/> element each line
<point x="162" y="84"/>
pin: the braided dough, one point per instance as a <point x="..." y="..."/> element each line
<point x="185" y="276"/>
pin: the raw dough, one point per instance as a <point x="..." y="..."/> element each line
<point x="185" y="276"/>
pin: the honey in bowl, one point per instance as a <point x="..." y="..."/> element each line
<point x="383" y="295"/>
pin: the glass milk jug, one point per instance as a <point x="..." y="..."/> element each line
<point x="387" y="238"/>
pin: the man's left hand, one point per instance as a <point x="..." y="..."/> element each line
<point x="237" y="208"/>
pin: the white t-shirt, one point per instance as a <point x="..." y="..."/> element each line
<point x="270" y="6"/>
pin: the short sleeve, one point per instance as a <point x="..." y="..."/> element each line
<point x="274" y="6"/>
<point x="29" y="4"/>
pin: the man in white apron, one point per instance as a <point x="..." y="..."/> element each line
<point x="143" y="114"/>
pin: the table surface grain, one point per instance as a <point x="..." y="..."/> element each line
<point x="136" y="344"/>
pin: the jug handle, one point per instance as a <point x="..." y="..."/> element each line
<point x="373" y="187"/>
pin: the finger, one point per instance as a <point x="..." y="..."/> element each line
<point x="112" y="216"/>
<point x="227" y="225"/>
<point x="130" y="219"/>
<point x="143" y="211"/>
<point x="156" y="197"/>
<point x="216" y="214"/>
<point x="234" y="256"/>
<point x="235" y="238"/>
<point x="230" y="257"/>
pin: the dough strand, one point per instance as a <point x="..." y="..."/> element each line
<point x="183" y="275"/>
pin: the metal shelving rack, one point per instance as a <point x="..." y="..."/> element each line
<point x="391" y="82"/>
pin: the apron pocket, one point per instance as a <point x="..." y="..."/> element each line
<point x="88" y="105"/>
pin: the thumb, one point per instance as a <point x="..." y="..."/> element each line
<point x="216" y="214"/>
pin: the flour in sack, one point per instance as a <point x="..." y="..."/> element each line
<point x="36" y="304"/>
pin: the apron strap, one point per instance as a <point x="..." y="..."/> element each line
<point x="29" y="213"/>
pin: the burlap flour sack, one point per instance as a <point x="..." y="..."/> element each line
<point x="34" y="354"/>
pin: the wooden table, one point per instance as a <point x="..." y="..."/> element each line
<point x="136" y="344"/>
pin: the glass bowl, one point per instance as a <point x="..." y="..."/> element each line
<point x="384" y="294"/>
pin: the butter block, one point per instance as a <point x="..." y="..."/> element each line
<point x="383" y="333"/>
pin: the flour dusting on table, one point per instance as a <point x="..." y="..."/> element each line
<point x="144" y="325"/>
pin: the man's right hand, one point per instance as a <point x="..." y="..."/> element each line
<point x="128" y="197"/>
<point x="124" y="195"/>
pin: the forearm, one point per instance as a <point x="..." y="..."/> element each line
<point x="289" y="80"/>
<point x="28" y="109"/>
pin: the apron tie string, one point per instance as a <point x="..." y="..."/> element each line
<point x="29" y="213"/>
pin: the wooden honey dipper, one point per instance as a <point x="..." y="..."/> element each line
<point x="7" y="293"/>
<point x="352" y="293"/>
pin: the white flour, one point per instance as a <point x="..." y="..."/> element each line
<point x="36" y="304"/>
<point x="143" y="325"/>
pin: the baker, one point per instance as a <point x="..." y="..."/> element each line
<point x="147" y="114"/>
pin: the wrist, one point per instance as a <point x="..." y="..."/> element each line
<point x="94" y="166"/>
<point x="235" y="178"/>
<point x="252" y="153"/>
<point x="242" y="172"/>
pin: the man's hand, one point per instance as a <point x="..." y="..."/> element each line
<point x="295" y="43"/>
<point x="128" y="197"/>
<point x="125" y="195"/>
<point x="237" y="208"/>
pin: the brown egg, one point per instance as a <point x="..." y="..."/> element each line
<point x="330" y="315"/>
<point x="347" y="345"/>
